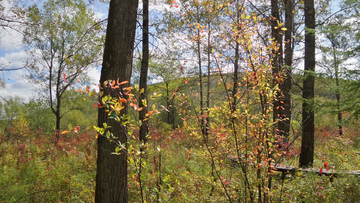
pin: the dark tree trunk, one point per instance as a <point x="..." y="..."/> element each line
<point x="207" y="127"/>
<point x="111" y="176"/>
<point x="235" y="88"/>
<point x="144" y="72"/>
<point x="58" y="118"/>
<point x="277" y="59"/>
<point x="337" y="91"/>
<point x="202" y="120"/>
<point x="307" y="143"/>
<point x="285" y="86"/>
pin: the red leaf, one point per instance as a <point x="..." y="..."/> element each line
<point x="99" y="105"/>
<point x="64" y="77"/>
<point x="320" y="172"/>
<point x="77" y="128"/>
<point x="326" y="165"/>
<point x="94" y="105"/>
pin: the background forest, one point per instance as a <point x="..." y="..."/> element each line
<point x="198" y="101"/>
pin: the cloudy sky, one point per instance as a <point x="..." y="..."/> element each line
<point x="12" y="55"/>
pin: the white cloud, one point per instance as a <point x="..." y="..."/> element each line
<point x="100" y="10"/>
<point x="94" y="75"/>
<point x="10" y="39"/>
<point x="14" y="59"/>
<point x="16" y="85"/>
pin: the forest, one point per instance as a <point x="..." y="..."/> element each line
<point x="180" y="101"/>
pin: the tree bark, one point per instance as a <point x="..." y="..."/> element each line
<point x="111" y="177"/>
<point x="307" y="143"/>
<point x="144" y="72"/>
<point x="277" y="55"/>
<point x="285" y="86"/>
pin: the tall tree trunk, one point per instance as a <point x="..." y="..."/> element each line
<point x="307" y="143"/>
<point x="58" y="118"/>
<point x="337" y="91"/>
<point x="144" y="72"/>
<point x="277" y="59"/>
<point x="207" y="127"/>
<point x="202" y="120"/>
<point x="285" y="86"/>
<point x="111" y="176"/>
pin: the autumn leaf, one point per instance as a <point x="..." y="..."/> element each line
<point x="122" y="100"/>
<point x="326" y="165"/>
<point x="139" y="109"/>
<point x="123" y="82"/>
<point x="77" y="128"/>
<point x="79" y="90"/>
<point x="320" y="172"/>
<point x="99" y="105"/>
<point x="64" y="77"/>
<point x="87" y="88"/>
<point x="64" y="132"/>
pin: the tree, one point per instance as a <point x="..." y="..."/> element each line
<point x="111" y="176"/>
<point x="308" y="118"/>
<point x="144" y="72"/>
<point x="63" y="42"/>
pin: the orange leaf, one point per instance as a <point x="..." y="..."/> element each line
<point x="150" y="112"/>
<point x="87" y="88"/>
<point x="113" y="83"/>
<point x="64" y="77"/>
<point x="132" y="104"/>
<point x="77" y="128"/>
<point x="123" y="82"/>
<point x="94" y="105"/>
<point x="139" y="109"/>
<point x="123" y="100"/>
<point x="80" y="91"/>
<point x="96" y="136"/>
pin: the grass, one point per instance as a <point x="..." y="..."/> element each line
<point x="33" y="169"/>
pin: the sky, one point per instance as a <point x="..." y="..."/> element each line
<point x="12" y="54"/>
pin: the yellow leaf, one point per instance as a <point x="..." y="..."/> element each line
<point x="64" y="132"/>
<point x="283" y="29"/>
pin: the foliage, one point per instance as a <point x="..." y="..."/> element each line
<point x="63" y="40"/>
<point x="35" y="170"/>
